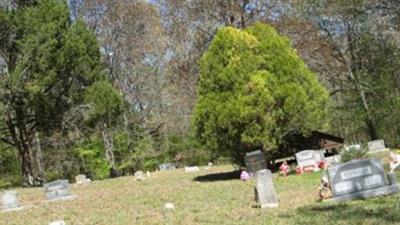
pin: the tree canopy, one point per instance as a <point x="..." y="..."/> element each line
<point x="253" y="88"/>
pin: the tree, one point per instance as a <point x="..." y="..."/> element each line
<point x="254" y="88"/>
<point x="361" y="41"/>
<point x="51" y="62"/>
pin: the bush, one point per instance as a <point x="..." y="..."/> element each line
<point x="92" y="158"/>
<point x="353" y="153"/>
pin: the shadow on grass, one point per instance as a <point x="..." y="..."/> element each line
<point x="373" y="211"/>
<point x="233" y="175"/>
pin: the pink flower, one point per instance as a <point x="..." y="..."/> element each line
<point x="244" y="176"/>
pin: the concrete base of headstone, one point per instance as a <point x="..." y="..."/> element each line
<point x="376" y="151"/>
<point x="385" y="190"/>
<point x="63" y="198"/>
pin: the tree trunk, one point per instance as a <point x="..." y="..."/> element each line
<point x="108" y="144"/>
<point x="39" y="158"/>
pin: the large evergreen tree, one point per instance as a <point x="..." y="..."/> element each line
<point x="253" y="88"/>
<point x="51" y="63"/>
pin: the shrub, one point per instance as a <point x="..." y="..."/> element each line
<point x="353" y="153"/>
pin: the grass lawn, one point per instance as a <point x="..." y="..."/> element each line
<point x="125" y="201"/>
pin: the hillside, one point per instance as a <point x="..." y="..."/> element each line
<point x="198" y="199"/>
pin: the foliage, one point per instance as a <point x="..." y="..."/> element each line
<point x="51" y="62"/>
<point x="353" y="153"/>
<point x="91" y="154"/>
<point x="253" y="88"/>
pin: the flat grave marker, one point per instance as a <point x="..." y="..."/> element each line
<point x="191" y="169"/>
<point x="166" y="166"/>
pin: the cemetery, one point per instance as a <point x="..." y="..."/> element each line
<point x="119" y="112"/>
<point x="364" y="191"/>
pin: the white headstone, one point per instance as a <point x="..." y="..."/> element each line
<point x="353" y="147"/>
<point x="265" y="190"/>
<point x="81" y="179"/>
<point x="191" y="169"/>
<point x="376" y="146"/>
<point x="332" y="159"/>
<point x="307" y="158"/>
<point x="139" y="175"/>
<point x="9" y="201"/>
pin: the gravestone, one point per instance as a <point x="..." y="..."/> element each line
<point x="255" y="161"/>
<point x="81" y="179"/>
<point x="57" y="190"/>
<point x="359" y="179"/>
<point x="265" y="191"/>
<point x="353" y="147"/>
<point x="376" y="146"/>
<point x="191" y="169"/>
<point x="307" y="159"/>
<point x="167" y="166"/>
<point x="139" y="175"/>
<point x="332" y="160"/>
<point x="319" y="155"/>
<point x="9" y="201"/>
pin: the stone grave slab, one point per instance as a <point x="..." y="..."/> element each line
<point x="265" y="191"/>
<point x="359" y="179"/>
<point x="255" y="161"/>
<point x="376" y="146"/>
<point x="167" y="166"/>
<point x="191" y="169"/>
<point x="57" y="190"/>
<point x="9" y="201"/>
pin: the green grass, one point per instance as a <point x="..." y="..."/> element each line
<point x="125" y="201"/>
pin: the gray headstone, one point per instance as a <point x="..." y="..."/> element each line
<point x="265" y="190"/>
<point x="57" y="190"/>
<point x="9" y="201"/>
<point x="307" y="158"/>
<point x="359" y="179"/>
<point x="255" y="161"/>
<point x="376" y="146"/>
<point x="167" y="166"/>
